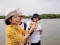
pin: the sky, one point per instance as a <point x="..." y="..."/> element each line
<point x="29" y="7"/>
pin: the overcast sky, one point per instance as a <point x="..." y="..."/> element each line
<point x="29" y="7"/>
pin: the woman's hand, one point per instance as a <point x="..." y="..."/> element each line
<point x="31" y="24"/>
<point x="29" y="43"/>
<point x="34" y="26"/>
<point x="41" y="30"/>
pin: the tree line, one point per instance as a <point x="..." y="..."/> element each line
<point x="47" y="16"/>
<point x="43" y="16"/>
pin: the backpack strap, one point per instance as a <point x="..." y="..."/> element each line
<point x="25" y="26"/>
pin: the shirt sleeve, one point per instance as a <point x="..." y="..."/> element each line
<point x="13" y="35"/>
<point x="23" y="32"/>
<point x="40" y="26"/>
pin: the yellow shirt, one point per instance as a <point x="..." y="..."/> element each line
<point x="14" y="36"/>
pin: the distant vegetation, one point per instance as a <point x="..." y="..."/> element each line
<point x="47" y="16"/>
<point x="43" y="16"/>
<point x="2" y="17"/>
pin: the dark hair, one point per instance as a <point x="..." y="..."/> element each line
<point x="35" y="17"/>
<point x="7" y="22"/>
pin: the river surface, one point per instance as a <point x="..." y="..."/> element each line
<point x="49" y="36"/>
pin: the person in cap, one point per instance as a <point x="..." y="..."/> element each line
<point x="14" y="33"/>
<point x="34" y="39"/>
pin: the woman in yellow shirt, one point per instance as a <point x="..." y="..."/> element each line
<point x="14" y="33"/>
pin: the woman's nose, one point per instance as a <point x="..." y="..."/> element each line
<point x="18" y="18"/>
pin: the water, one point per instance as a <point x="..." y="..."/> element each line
<point x="50" y="35"/>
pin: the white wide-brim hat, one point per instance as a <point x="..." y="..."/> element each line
<point x="12" y="12"/>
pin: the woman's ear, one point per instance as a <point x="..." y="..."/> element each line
<point x="10" y="20"/>
<point x="38" y="19"/>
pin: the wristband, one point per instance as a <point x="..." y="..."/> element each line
<point x="28" y="29"/>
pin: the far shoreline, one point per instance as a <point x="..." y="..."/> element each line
<point x="48" y="18"/>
